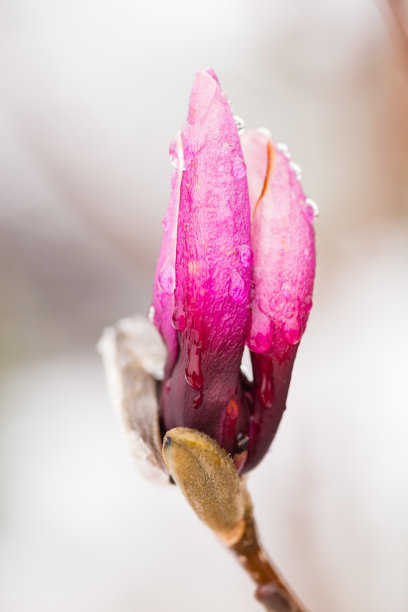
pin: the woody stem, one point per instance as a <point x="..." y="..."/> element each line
<point x="271" y="591"/>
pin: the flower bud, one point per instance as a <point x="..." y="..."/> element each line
<point x="236" y="265"/>
<point x="282" y="284"/>
<point x="205" y="264"/>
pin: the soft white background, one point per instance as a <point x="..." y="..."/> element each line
<point x="91" y="93"/>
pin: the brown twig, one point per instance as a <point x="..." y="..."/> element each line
<point x="208" y="479"/>
<point x="271" y="591"/>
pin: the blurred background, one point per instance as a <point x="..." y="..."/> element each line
<point x="91" y="93"/>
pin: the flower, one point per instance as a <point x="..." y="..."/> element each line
<point x="282" y="286"/>
<point x="236" y="267"/>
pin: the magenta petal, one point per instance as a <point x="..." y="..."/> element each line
<point x="213" y="271"/>
<point x="283" y="276"/>
<point x="283" y="244"/>
<point x="165" y="276"/>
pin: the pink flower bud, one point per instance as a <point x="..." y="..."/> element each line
<point x="205" y="263"/>
<point x="236" y="265"/>
<point x="283" y="275"/>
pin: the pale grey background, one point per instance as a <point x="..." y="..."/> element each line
<point x="91" y="93"/>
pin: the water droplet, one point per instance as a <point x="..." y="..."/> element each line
<point x="259" y="343"/>
<point x="293" y="335"/>
<point x="176" y="154"/>
<point x="179" y="317"/>
<point x="237" y="287"/>
<point x="265" y="132"/>
<point x="293" y="330"/>
<point x="166" y="278"/>
<point x="150" y="314"/>
<point x="238" y="168"/>
<point x="264" y="387"/>
<point x="246" y="255"/>
<point x="313" y="206"/>
<point x="308" y="303"/>
<point x="283" y="148"/>
<point x="240" y="123"/>
<point x="193" y="372"/>
<point x="198" y="400"/>
<point x="296" y="169"/>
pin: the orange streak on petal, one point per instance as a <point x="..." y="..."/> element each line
<point x="269" y="168"/>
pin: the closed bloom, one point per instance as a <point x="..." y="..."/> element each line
<point x="236" y="267"/>
<point x="283" y="275"/>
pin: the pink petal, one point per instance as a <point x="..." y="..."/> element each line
<point x="213" y="268"/>
<point x="283" y="245"/>
<point x="165" y="276"/>
<point x="283" y="276"/>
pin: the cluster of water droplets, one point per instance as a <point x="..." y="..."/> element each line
<point x="237" y="286"/>
<point x="312" y="209"/>
<point x="290" y="311"/>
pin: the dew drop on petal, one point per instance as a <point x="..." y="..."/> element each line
<point x="150" y="314"/>
<point x="283" y="148"/>
<point x="246" y="255"/>
<point x="237" y="287"/>
<point x="166" y="278"/>
<point x="198" y="400"/>
<point x="293" y="335"/>
<point x="176" y="156"/>
<point x="193" y="372"/>
<point x="308" y="303"/>
<point x="238" y="168"/>
<point x="240" y="123"/>
<point x="293" y="330"/>
<point x="179" y="317"/>
<point x="296" y="169"/>
<point x="264" y="306"/>
<point x="312" y="204"/>
<point x="265" y="390"/>
<point x="265" y="132"/>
